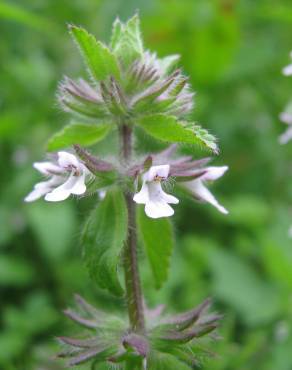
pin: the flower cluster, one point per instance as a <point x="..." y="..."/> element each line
<point x="68" y="175"/>
<point x="157" y="201"/>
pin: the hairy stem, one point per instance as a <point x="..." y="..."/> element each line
<point x="132" y="278"/>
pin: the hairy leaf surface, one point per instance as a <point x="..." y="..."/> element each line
<point x="126" y="40"/>
<point x="78" y="133"/>
<point x="168" y="128"/>
<point x="157" y="237"/>
<point x="104" y="235"/>
<point x="98" y="58"/>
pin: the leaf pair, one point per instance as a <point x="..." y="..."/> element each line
<point x="160" y="126"/>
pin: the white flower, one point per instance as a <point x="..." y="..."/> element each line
<point x="286" y="117"/>
<point x="67" y="177"/>
<point x="199" y="190"/>
<point x="152" y="195"/>
<point x="287" y="71"/>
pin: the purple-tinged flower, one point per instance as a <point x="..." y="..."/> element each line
<point x="198" y="188"/>
<point x="66" y="177"/>
<point x="152" y="195"/>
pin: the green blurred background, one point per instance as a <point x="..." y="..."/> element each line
<point x="234" y="52"/>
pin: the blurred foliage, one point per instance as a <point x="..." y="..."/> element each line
<point x="234" y="52"/>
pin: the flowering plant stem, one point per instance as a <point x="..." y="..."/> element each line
<point x="132" y="278"/>
<point x="131" y="86"/>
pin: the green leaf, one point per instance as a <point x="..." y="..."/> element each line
<point x="103" y="239"/>
<point x="116" y="33"/>
<point x="126" y="40"/>
<point x="158" y="240"/>
<point x="168" y="128"/>
<point x="78" y="133"/>
<point x="207" y="140"/>
<point x="98" y="58"/>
